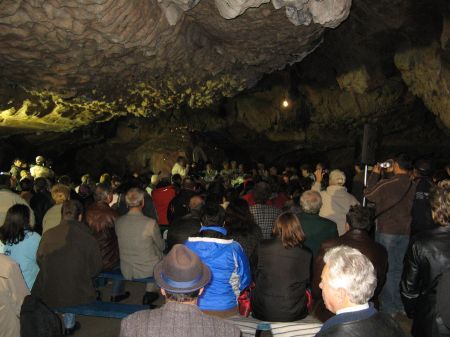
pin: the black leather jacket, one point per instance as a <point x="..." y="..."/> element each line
<point x="375" y="326"/>
<point x="427" y="258"/>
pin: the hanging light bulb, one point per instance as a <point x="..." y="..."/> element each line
<point x="285" y="103"/>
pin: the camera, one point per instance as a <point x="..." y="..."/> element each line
<point x="386" y="164"/>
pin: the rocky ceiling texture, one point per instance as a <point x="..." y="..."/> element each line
<point x="68" y="63"/>
<point x="163" y="70"/>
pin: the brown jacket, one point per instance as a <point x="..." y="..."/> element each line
<point x="358" y="239"/>
<point x="387" y="193"/>
<point x="69" y="258"/>
<point x="101" y="218"/>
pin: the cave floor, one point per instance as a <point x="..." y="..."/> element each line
<point x="110" y="327"/>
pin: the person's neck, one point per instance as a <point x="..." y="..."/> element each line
<point x="135" y="209"/>
<point x="193" y="302"/>
<point x="350" y="307"/>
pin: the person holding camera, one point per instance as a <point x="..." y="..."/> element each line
<point x="393" y="198"/>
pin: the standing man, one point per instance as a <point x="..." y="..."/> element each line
<point x="140" y="243"/>
<point x="393" y="198"/>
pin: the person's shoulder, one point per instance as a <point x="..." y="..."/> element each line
<point x="218" y="323"/>
<point x="140" y="319"/>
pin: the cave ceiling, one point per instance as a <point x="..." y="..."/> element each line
<point x="216" y="66"/>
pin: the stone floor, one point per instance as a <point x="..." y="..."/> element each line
<point x="110" y="327"/>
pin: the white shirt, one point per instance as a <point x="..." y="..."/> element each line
<point x="353" y="309"/>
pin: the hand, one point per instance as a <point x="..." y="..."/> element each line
<point x="319" y="175"/>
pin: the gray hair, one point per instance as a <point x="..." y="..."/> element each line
<point x="134" y="197"/>
<point x="337" y="177"/>
<point x="311" y="202"/>
<point x="350" y="270"/>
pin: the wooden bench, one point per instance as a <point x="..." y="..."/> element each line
<point x="117" y="275"/>
<point x="103" y="309"/>
<point x="250" y="327"/>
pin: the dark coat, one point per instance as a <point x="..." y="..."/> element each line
<point x="69" y="258"/>
<point x="421" y="208"/>
<point x="364" y="323"/>
<point x="179" y="205"/>
<point x="182" y="228"/>
<point x="40" y="203"/>
<point x="101" y="218"/>
<point x="317" y="230"/>
<point x="249" y="242"/>
<point x="428" y="256"/>
<point x="358" y="239"/>
<point x="281" y="278"/>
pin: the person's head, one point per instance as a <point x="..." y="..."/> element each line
<point x="402" y="163"/>
<point x="440" y="203"/>
<point x="71" y="210"/>
<point x="358" y="168"/>
<point x="25" y="174"/>
<point x="305" y="170"/>
<point x="154" y="180"/>
<point x="181" y="275"/>
<point x="60" y="193"/>
<point x="188" y="184"/>
<point x="234" y="164"/>
<point x="182" y="161"/>
<point x="85" y="178"/>
<point x="40" y="160"/>
<point x="348" y="278"/>
<point x="209" y="166"/>
<point x="238" y="217"/>
<point x="17" y="162"/>
<point x="103" y="193"/>
<point x="311" y="202"/>
<point x="135" y="198"/>
<point x="337" y="177"/>
<point x="196" y="203"/>
<point x="213" y="214"/>
<point x="17" y="220"/>
<point x="288" y="229"/>
<point x="105" y="178"/>
<point x="273" y="171"/>
<point x="26" y="185"/>
<point x="41" y="185"/>
<point x="261" y="192"/>
<point x="176" y="179"/>
<point x="359" y="217"/>
<point x="65" y="180"/>
<point x="422" y="168"/>
<point x="5" y="180"/>
<point x="226" y="164"/>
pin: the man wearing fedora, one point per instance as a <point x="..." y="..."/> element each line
<point x="182" y="277"/>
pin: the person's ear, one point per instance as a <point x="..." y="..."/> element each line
<point x="163" y="292"/>
<point x="200" y="292"/>
<point x="346" y="227"/>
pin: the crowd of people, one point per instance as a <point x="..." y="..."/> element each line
<point x="300" y="240"/>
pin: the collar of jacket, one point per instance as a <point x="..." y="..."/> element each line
<point x="214" y="228"/>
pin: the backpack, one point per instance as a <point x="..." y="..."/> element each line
<point x="38" y="320"/>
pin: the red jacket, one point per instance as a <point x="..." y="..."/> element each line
<point x="161" y="199"/>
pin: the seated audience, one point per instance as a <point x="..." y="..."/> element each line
<point x="21" y="243"/>
<point x="336" y="201"/>
<point x="140" y="243"/>
<point x="181" y="167"/>
<point x="182" y="277"/>
<point x="162" y="195"/>
<point x="358" y="226"/>
<point x="179" y="205"/>
<point x="225" y="258"/>
<point x="12" y="292"/>
<point x="69" y="259"/>
<point x="427" y="257"/>
<point x="181" y="229"/>
<point x="263" y="214"/>
<point x="348" y="282"/>
<point x="242" y="228"/>
<point x="101" y="220"/>
<point x="316" y="228"/>
<point x="282" y="273"/>
<point x="52" y="217"/>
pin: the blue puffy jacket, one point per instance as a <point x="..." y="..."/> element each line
<point x="229" y="268"/>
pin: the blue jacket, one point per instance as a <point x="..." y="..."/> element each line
<point x="24" y="253"/>
<point x="230" y="271"/>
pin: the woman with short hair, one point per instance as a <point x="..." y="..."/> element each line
<point x="21" y="243"/>
<point x="282" y="274"/>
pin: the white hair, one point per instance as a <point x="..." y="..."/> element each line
<point x="350" y="270"/>
<point x="311" y="202"/>
<point x="337" y="177"/>
<point x="134" y="197"/>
